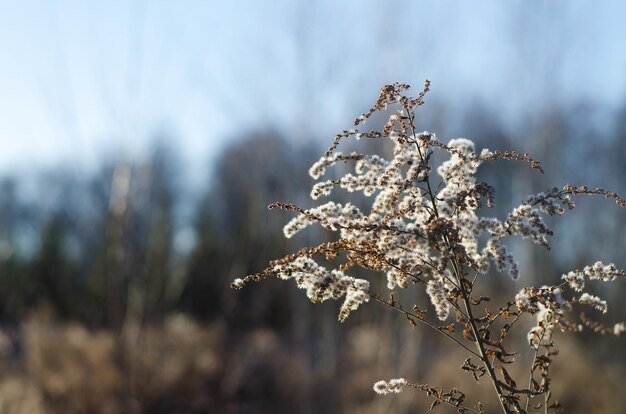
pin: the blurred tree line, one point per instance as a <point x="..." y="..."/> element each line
<point x="117" y="245"/>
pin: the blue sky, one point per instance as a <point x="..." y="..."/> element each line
<point x="79" y="79"/>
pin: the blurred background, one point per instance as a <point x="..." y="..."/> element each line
<point x="142" y="142"/>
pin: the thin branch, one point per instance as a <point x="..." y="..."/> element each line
<point x="425" y="321"/>
<point x="532" y="367"/>
<point x="443" y="400"/>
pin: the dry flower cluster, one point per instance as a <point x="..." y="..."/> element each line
<point x="421" y="235"/>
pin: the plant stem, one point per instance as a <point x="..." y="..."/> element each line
<point x="481" y="349"/>
<point x="466" y="301"/>
<point x="532" y="368"/>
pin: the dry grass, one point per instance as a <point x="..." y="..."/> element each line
<point x="183" y="366"/>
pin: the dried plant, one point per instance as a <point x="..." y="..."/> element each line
<point x="425" y="232"/>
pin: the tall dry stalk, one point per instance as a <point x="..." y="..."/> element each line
<point x="428" y="234"/>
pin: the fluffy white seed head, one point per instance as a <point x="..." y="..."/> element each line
<point x="395" y="386"/>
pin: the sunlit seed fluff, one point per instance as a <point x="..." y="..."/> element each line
<point x="549" y="205"/>
<point x="534" y="336"/>
<point x="541" y="334"/>
<point x="237" y="283"/>
<point x="593" y="301"/>
<point x="323" y="188"/>
<point x="466" y="146"/>
<point x="381" y="387"/>
<point x="319" y="167"/>
<point x="296" y="224"/>
<point x="456" y="170"/>
<point x="438" y="296"/>
<point x="321" y="284"/>
<point x="396" y="278"/>
<point x="370" y="163"/>
<point x="503" y="260"/>
<point x="393" y="386"/>
<point x="491" y="225"/>
<point x="525" y="300"/>
<point x="357" y="293"/>
<point x="485" y="152"/>
<point x="526" y="222"/>
<point x="575" y="280"/>
<point x="397" y="384"/>
<point x="366" y="182"/>
<point x="544" y="315"/>
<point x="619" y="328"/>
<point x="600" y="271"/>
